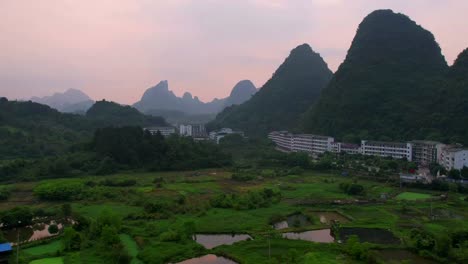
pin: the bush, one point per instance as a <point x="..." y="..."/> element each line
<point x="4" y="193"/>
<point x="59" y="190"/>
<point x="53" y="229"/>
<point x="352" y="189"/>
<point x="18" y="216"/>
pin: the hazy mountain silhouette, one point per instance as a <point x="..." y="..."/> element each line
<point x="159" y="99"/>
<point x="72" y="100"/>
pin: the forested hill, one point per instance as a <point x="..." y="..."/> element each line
<point x="30" y="130"/>
<point x="451" y="114"/>
<point x="387" y="85"/>
<point x="295" y="86"/>
<point x="112" y="114"/>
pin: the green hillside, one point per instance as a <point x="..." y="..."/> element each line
<point x="294" y="86"/>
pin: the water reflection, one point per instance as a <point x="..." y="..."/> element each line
<point x="320" y="236"/>
<point x="208" y="259"/>
<point x="210" y="241"/>
<point x="295" y="220"/>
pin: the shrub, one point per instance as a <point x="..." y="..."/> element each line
<point x="53" y="229"/>
<point x="59" y="190"/>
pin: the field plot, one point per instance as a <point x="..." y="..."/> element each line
<point x="413" y="196"/>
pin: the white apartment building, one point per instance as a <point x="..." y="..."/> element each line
<point x="321" y="144"/>
<point x="312" y="144"/>
<point x="350" y="148"/>
<point x="454" y="157"/>
<point x="387" y="149"/>
<point x="282" y="139"/>
<point x="165" y="131"/>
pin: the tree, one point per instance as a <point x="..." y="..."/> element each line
<point x="53" y="229"/>
<point x="454" y="174"/>
<point x="18" y="216"/>
<point x="66" y="210"/>
<point x="356" y="249"/>
<point x="464" y="172"/>
<point x="71" y="239"/>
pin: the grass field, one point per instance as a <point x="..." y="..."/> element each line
<point x="57" y="260"/>
<point x="142" y="230"/>
<point x="412" y="196"/>
<point x="131" y="247"/>
<point x="49" y="248"/>
<point x="94" y="210"/>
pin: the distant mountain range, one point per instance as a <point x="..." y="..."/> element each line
<point x="159" y="99"/>
<point x="70" y="101"/>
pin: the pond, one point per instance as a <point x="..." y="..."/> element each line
<point x="34" y="232"/>
<point x="328" y="217"/>
<point x="371" y="235"/>
<point x="320" y="236"/>
<point x="295" y="220"/>
<point x="208" y="259"/>
<point x="210" y="241"/>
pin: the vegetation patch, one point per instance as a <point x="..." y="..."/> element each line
<point x="57" y="260"/>
<point x="413" y="196"/>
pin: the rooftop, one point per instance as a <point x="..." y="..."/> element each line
<point x="5" y="247"/>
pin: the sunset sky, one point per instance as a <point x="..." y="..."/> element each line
<point x="116" y="49"/>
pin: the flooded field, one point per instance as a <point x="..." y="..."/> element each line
<point x="327" y="217"/>
<point x="208" y="259"/>
<point x="371" y="235"/>
<point x="295" y="220"/>
<point x="320" y="236"/>
<point x="34" y="232"/>
<point x="210" y="241"/>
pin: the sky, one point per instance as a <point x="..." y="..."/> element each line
<point x="116" y="49"/>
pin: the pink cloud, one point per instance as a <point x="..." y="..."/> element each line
<point x="116" y="49"/>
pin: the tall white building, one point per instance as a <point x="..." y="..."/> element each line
<point x="454" y="157"/>
<point x="193" y="130"/>
<point x="395" y="150"/>
<point x="185" y="130"/>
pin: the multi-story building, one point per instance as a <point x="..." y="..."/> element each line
<point x="426" y="152"/>
<point x="185" y="130"/>
<point x="282" y="139"/>
<point x="165" y="131"/>
<point x="335" y="147"/>
<point x="312" y="144"/>
<point x="301" y="143"/>
<point x="350" y="148"/>
<point x="454" y="157"/>
<point x="321" y="144"/>
<point x="193" y="130"/>
<point x="218" y="135"/>
<point x="396" y="150"/>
